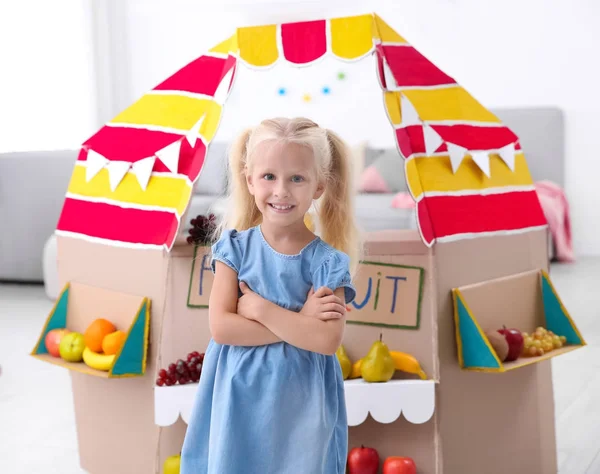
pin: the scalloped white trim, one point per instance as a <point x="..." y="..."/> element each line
<point x="384" y="401"/>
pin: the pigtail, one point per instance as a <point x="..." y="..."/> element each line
<point x="242" y="212"/>
<point x="336" y="211"/>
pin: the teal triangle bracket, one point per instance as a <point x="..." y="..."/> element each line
<point x="557" y="317"/>
<point x="474" y="350"/>
<point x="131" y="359"/>
<point x="56" y="320"/>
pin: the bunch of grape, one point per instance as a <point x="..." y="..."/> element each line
<point x="541" y="341"/>
<point x="182" y="372"/>
<point x="203" y="229"/>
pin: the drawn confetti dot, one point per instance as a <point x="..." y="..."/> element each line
<point x="341" y="76"/>
<point x="306" y="98"/>
<point x="326" y="90"/>
<point x="281" y="91"/>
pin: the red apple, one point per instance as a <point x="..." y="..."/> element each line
<point x="52" y="340"/>
<point x="399" y="465"/>
<point x="363" y="461"/>
<point x="515" y="341"/>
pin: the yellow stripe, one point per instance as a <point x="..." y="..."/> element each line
<point x="173" y="111"/>
<point x="258" y="44"/>
<point x="392" y="105"/>
<point x="352" y="37"/>
<point x="162" y="191"/>
<point x="435" y="174"/>
<point x="226" y="47"/>
<point x="386" y="33"/>
<point x="451" y="103"/>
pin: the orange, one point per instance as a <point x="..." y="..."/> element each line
<point x="112" y="343"/>
<point x="95" y="333"/>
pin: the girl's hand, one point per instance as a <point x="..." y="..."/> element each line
<point x="324" y="305"/>
<point x="250" y="305"/>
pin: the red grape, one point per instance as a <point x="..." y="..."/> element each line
<point x="183" y="380"/>
<point x="160" y="381"/>
<point x="169" y="382"/>
<point x="162" y="373"/>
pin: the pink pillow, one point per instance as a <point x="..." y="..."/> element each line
<point x="403" y="200"/>
<point x="371" y="181"/>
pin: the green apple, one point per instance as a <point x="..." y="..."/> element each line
<point x="172" y="464"/>
<point x="72" y="346"/>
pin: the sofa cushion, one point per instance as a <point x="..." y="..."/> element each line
<point x="385" y="174"/>
<point x="213" y="177"/>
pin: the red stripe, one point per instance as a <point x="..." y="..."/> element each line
<point x="411" y="68"/>
<point x="474" y="137"/>
<point x="444" y="216"/>
<point x="410" y="139"/>
<point x="133" y="144"/>
<point x="116" y="223"/>
<point x="201" y="76"/>
<point x="304" y="42"/>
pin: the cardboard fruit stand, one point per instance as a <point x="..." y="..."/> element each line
<point x="477" y="263"/>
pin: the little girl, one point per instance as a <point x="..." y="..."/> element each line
<point x="271" y="396"/>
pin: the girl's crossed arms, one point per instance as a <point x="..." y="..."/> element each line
<point x="253" y="320"/>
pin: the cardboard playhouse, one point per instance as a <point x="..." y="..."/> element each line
<point x="477" y="263"/>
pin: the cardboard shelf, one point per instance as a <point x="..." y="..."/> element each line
<point x="415" y="399"/>
<point x="78" y="305"/>
<point x="523" y="301"/>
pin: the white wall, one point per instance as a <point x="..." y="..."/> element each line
<point x="510" y="53"/>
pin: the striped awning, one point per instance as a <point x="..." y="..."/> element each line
<point x="134" y="178"/>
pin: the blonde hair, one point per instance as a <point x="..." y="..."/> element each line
<point x="335" y="209"/>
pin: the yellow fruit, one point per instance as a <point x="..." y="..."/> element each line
<point x="308" y="222"/>
<point x="97" y="361"/>
<point x="532" y="351"/>
<point x="344" y="361"/>
<point x="355" y="373"/>
<point x="377" y="365"/>
<point x="407" y="363"/>
<point x="112" y="343"/>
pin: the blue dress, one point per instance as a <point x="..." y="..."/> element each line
<point x="272" y="409"/>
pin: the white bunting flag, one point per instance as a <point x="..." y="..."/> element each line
<point x="192" y="135"/>
<point x="432" y="139"/>
<point x="116" y="172"/>
<point x="169" y="155"/>
<point x="507" y="153"/>
<point x="223" y="89"/>
<point x="457" y="154"/>
<point x="390" y="80"/>
<point x="93" y="164"/>
<point x="482" y="159"/>
<point x="142" y="170"/>
<point x="408" y="112"/>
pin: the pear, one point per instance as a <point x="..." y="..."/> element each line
<point x="378" y="364"/>
<point x="344" y="361"/>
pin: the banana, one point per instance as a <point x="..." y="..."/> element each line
<point x="407" y="363"/>
<point x="355" y="372"/>
<point x="97" y="361"/>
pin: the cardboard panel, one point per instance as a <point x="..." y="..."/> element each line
<point x="393" y="242"/>
<point x="201" y="278"/>
<point x="485" y="416"/>
<point x="512" y="301"/>
<point x="388" y="295"/>
<point x="185" y="329"/>
<point x="401" y="438"/>
<point x="421" y="342"/>
<point x="103" y="406"/>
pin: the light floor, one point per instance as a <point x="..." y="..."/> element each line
<point x="37" y="426"/>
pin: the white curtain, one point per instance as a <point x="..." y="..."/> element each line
<point x="47" y="76"/>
